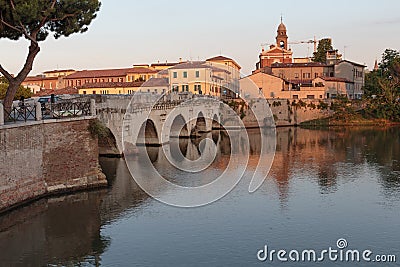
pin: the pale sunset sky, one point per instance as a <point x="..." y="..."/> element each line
<point x="128" y="32"/>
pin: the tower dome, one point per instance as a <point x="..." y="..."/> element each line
<point x="282" y="38"/>
<point x="281" y="27"/>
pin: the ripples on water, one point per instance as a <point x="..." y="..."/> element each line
<point x="323" y="185"/>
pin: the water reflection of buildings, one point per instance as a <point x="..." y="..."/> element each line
<point x="68" y="228"/>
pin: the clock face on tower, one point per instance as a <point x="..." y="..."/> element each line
<point x="282" y="44"/>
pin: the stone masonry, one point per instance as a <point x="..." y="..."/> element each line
<point x="47" y="157"/>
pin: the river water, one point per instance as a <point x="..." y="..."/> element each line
<point x="324" y="185"/>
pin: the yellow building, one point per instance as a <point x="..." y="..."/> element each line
<point x="199" y="77"/>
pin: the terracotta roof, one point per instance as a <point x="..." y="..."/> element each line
<point x="64" y="91"/>
<point x="298" y="81"/>
<point x="191" y="65"/>
<point x="108" y="73"/>
<point x="219" y="58"/>
<point x="197" y="65"/>
<point x="154" y="82"/>
<point x="110" y="85"/>
<point x="351" y="62"/>
<point x="335" y="79"/>
<point x="56" y="71"/>
<point x="164" y="64"/>
<point x="223" y="58"/>
<point x="39" y="78"/>
<point x="298" y="65"/>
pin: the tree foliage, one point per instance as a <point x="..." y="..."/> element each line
<point x="34" y="20"/>
<point x="382" y="87"/>
<point x="21" y="91"/>
<point x="324" y="45"/>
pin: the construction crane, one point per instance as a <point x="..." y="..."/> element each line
<point x="315" y="42"/>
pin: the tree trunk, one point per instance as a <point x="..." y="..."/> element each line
<point x="14" y="83"/>
<point x="11" y="91"/>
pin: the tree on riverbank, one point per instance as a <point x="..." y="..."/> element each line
<point x="382" y="88"/>
<point x="34" y="20"/>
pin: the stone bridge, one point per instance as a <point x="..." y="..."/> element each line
<point x="136" y="121"/>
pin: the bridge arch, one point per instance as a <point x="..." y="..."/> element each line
<point x="108" y="145"/>
<point x="215" y="122"/>
<point x="148" y="134"/>
<point x="201" y="123"/>
<point x="179" y="127"/>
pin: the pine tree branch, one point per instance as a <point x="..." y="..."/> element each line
<point x="6" y="74"/>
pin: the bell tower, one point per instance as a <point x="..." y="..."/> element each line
<point x="282" y="38"/>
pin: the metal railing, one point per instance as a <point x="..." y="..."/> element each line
<point x="20" y="113"/>
<point x="65" y="109"/>
<point x="42" y="111"/>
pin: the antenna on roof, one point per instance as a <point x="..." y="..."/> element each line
<point x="281" y="18"/>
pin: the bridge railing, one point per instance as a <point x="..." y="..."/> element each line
<point x="36" y="111"/>
<point x="65" y="109"/>
<point x="20" y="113"/>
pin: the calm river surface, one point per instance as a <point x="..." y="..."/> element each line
<point x="324" y="185"/>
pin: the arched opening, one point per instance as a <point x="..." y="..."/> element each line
<point x="108" y="144"/>
<point x="201" y="125"/>
<point x="215" y="123"/>
<point x="179" y="127"/>
<point x="148" y="134"/>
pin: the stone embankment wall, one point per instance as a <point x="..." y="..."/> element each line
<point x="47" y="157"/>
<point x="291" y="112"/>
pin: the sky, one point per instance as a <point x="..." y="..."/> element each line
<point x="128" y="32"/>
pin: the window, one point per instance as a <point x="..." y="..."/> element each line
<point x="295" y="96"/>
<point x="315" y="75"/>
<point x="310" y="96"/>
<point x="175" y="88"/>
<point x="185" y="88"/>
<point x="306" y="75"/>
<point x="185" y="74"/>
<point x="197" y="88"/>
<point x="296" y="75"/>
<point x="320" y="96"/>
<point x="197" y="74"/>
<point x="175" y="74"/>
<point x="84" y="92"/>
<point x="94" y="92"/>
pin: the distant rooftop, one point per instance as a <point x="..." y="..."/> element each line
<point x="109" y="73"/>
<point x="110" y="85"/>
<point x="298" y="65"/>
<point x="57" y="71"/>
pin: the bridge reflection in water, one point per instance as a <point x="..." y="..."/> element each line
<point x="81" y="228"/>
